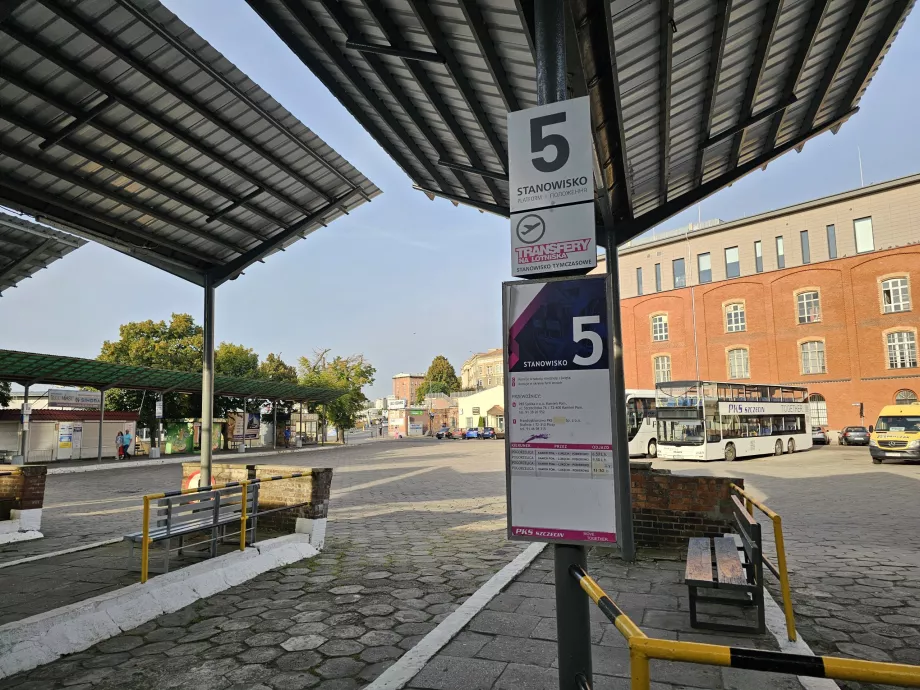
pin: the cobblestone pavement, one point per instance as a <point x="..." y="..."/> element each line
<point x="852" y="532"/>
<point x="511" y="644"/>
<point x="413" y="531"/>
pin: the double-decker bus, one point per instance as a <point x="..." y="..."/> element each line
<point x="711" y="420"/>
<point x="641" y="429"/>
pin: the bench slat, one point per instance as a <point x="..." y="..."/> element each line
<point x="699" y="560"/>
<point x="728" y="563"/>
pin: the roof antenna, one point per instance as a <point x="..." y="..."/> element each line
<point x="862" y="182"/>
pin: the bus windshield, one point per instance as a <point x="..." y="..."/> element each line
<point x="676" y="395"/>
<point x="685" y="432"/>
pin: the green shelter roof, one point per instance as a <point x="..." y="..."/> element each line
<point x="31" y="368"/>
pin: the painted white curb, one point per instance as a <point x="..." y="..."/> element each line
<point x="62" y="552"/>
<point x="413" y="661"/>
<point x="41" y="639"/>
<point x="12" y="537"/>
<point x="776" y="624"/>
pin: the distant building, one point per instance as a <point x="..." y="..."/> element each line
<point x="820" y="294"/>
<point x="405" y="386"/>
<point x="483" y="370"/>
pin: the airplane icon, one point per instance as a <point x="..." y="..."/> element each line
<point x="530" y="228"/>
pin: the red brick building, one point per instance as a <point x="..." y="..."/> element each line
<point x="405" y="386"/>
<point x="835" y="309"/>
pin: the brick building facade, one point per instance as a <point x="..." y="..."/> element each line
<point x="405" y="386"/>
<point x="840" y="316"/>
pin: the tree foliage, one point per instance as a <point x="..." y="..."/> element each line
<point x="236" y="360"/>
<point x="350" y="373"/>
<point x="441" y="377"/>
<point x="4" y="393"/>
<point x="275" y="369"/>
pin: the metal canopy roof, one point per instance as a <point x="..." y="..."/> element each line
<point x="26" y="248"/>
<point x="29" y="367"/>
<point x="687" y="96"/>
<point x="121" y="124"/>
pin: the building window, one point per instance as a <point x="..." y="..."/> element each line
<point x="902" y="350"/>
<point x="864" y="239"/>
<point x="704" y="267"/>
<point x="639" y="280"/>
<point x="806" y="248"/>
<point x="732" y="267"/>
<point x="758" y="256"/>
<point x="739" y="365"/>
<point x="905" y="397"/>
<point x="734" y="318"/>
<point x="832" y="241"/>
<point x="660" y="327"/>
<point x="809" y="307"/>
<point x="469" y="422"/>
<point x="817" y="409"/>
<point x="680" y="273"/>
<point x="813" y="357"/>
<point x="780" y="253"/>
<point x="662" y="368"/>
<point x="895" y="295"/>
<point x="657" y="277"/>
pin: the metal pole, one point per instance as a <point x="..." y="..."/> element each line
<point x="573" y="622"/>
<point x="275" y="425"/>
<point x="618" y="404"/>
<point x="207" y="383"/>
<point x="24" y="439"/>
<point x="101" y="420"/>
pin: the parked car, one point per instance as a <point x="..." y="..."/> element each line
<point x="488" y="432"/>
<point x="854" y="436"/>
<point x="444" y="432"/>
<point x="819" y="436"/>
<point x="472" y="433"/>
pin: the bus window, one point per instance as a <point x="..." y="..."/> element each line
<point x="776" y="394"/>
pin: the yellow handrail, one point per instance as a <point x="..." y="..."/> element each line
<point x="780" y="569"/>
<point x="145" y="539"/>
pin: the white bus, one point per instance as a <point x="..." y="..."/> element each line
<point x="641" y="429"/>
<point x="709" y="420"/>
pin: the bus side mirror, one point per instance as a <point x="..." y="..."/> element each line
<point x="871" y="428"/>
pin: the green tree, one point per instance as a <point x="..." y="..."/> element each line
<point x="440" y="378"/>
<point x="176" y="346"/>
<point x="482" y="422"/>
<point x="236" y="360"/>
<point x="4" y="393"/>
<point x="349" y="373"/>
<point x="275" y="369"/>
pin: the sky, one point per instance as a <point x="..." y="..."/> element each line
<point x="401" y="279"/>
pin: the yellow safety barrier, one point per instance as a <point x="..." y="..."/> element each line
<point x="642" y="649"/>
<point x="244" y="516"/>
<point x="779" y="569"/>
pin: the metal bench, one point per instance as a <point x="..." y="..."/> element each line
<point x="719" y="563"/>
<point x="206" y="511"/>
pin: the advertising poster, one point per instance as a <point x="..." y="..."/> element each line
<point x="243" y="425"/>
<point x="65" y="435"/>
<point x="177" y="437"/>
<point x="559" y="441"/>
<point x="62" y="397"/>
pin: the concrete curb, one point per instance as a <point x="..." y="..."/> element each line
<point x="41" y="639"/>
<point x="413" y="661"/>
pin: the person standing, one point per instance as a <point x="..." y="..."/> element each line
<point x="119" y="444"/>
<point x="287" y="437"/>
<point x="126" y="440"/>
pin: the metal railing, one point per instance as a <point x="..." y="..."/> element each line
<point x="244" y="516"/>
<point x="642" y="649"/>
<point x="9" y="473"/>
<point x="779" y="568"/>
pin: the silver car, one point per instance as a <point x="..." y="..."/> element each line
<point x="854" y="436"/>
<point x="818" y="436"/>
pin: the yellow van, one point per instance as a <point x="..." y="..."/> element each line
<point x="896" y="434"/>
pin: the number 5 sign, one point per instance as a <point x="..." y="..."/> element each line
<point x="549" y="155"/>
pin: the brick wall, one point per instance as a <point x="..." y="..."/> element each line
<point x="668" y="509"/>
<point x="23" y="491"/>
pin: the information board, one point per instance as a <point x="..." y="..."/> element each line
<point x="553" y="240"/>
<point x="559" y="440"/>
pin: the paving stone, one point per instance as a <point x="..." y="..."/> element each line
<point x="122" y="643"/>
<point x="377" y="575"/>
<point x="376" y="638"/>
<point x="341" y="648"/>
<point x="408" y="593"/>
<point x="338" y="684"/>
<point x="862" y="651"/>
<point x="259" y="655"/>
<point x="458" y="673"/>
<point x="303" y="642"/>
<point x="376" y="610"/>
<point x="527" y="676"/>
<point x="298" y="661"/>
<point x="190" y="649"/>
<point x="266" y="639"/>
<point x="373" y="655"/>
<point x="411" y="616"/>
<point x="340" y="668"/>
<point x="224" y="651"/>
<point x="293" y="680"/>
<point x="346" y="589"/>
<point x="501" y="623"/>
<point x="534" y="652"/>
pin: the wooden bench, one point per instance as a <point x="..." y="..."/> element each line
<point x="719" y="563"/>
<point x="177" y="517"/>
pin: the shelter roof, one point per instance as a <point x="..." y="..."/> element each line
<point x="29" y="367"/>
<point x="121" y="124"/>
<point x="27" y="247"/>
<point x="687" y="96"/>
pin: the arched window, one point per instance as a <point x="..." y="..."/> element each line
<point x="817" y="408"/>
<point x="905" y="397"/>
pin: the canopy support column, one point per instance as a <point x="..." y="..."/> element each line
<point x="275" y="425"/>
<point x="207" y="383"/>
<point x="24" y="438"/>
<point x="101" y="421"/>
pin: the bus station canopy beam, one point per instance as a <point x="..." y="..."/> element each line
<point x="687" y="96"/>
<point x="27" y="247"/>
<point x="123" y="126"/>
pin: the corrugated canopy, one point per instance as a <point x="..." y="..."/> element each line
<point x="121" y="124"/>
<point x="31" y="368"/>
<point x="687" y="96"/>
<point x="26" y="248"/>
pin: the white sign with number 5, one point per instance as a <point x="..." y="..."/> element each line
<point x="549" y="155"/>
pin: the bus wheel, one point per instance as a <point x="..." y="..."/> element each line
<point x="778" y="449"/>
<point x="791" y="445"/>
<point x="652" y="449"/>
<point x="730" y="453"/>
